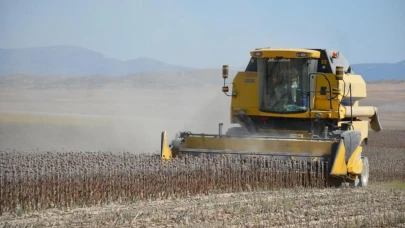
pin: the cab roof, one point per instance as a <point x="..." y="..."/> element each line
<point x="268" y="52"/>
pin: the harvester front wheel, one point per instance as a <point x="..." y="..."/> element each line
<point x="364" y="173"/>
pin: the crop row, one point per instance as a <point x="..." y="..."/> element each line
<point x="35" y="180"/>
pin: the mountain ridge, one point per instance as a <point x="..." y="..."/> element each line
<point x="70" y="60"/>
<point x="74" y="61"/>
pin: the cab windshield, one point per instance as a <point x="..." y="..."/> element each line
<point x="284" y="84"/>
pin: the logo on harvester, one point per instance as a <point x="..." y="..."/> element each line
<point x="258" y="54"/>
<point x="301" y="54"/>
<point x="278" y="60"/>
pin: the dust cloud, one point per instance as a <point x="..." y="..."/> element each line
<point x="119" y="117"/>
<point x="127" y="119"/>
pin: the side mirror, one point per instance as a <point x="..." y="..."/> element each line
<point x="225" y="88"/>
<point x="339" y="73"/>
<point x="225" y="69"/>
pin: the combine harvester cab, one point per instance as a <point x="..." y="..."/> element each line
<point x="292" y="104"/>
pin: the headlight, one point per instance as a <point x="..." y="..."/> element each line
<point x="318" y="115"/>
<point x="242" y="112"/>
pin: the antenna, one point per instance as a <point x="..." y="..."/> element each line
<point x="351" y="105"/>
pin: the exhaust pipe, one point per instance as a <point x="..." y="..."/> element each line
<point x="220" y="129"/>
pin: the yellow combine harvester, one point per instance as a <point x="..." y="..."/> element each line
<point x="292" y="104"/>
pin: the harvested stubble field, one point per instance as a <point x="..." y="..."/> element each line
<point x="123" y="189"/>
<point x="286" y="208"/>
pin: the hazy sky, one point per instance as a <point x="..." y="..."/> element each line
<point x="207" y="33"/>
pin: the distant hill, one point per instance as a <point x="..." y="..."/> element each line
<point x="73" y="61"/>
<point x="381" y="71"/>
<point x="76" y="61"/>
